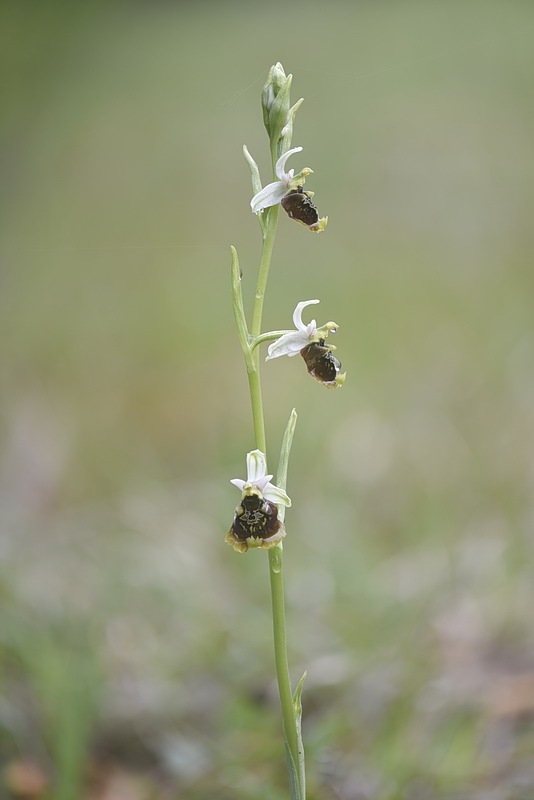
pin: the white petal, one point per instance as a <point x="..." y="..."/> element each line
<point x="256" y="466"/>
<point x="261" y="483"/>
<point x="239" y="483"/>
<point x="281" y="163"/>
<point x="288" y="345"/>
<point x="270" y="195"/>
<point x="276" y="495"/>
<point x="297" y="313"/>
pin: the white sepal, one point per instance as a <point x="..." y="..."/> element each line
<point x="270" y="195"/>
<point x="291" y="343"/>
<point x="276" y="495"/>
<point x="281" y="164"/>
<point x="297" y="315"/>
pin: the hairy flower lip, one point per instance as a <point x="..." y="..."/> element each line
<point x="322" y="364"/>
<point x="271" y="194"/>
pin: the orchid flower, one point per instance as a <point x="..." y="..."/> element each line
<point x="271" y="194"/>
<point x="256" y="522"/>
<point x="292" y="342"/>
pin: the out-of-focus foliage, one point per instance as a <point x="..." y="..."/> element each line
<point x="135" y="647"/>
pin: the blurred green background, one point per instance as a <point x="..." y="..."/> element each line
<point x="135" y="646"/>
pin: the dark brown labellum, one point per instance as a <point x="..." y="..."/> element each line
<point x="256" y="517"/>
<point x="299" y="206"/>
<point x="321" y="362"/>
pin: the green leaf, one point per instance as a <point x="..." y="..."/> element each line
<point x="287" y="441"/>
<point x="297" y="704"/>
<point x="239" y="312"/>
<point x="256" y="180"/>
<point x="254" y="171"/>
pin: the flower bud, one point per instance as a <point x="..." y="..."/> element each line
<point x="267" y="99"/>
<point x="275" y="101"/>
<point x="275" y="81"/>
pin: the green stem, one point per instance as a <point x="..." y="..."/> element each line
<point x="251" y="363"/>
<point x="266" y="254"/>
<point x="280" y="650"/>
<point x="253" y="369"/>
<point x="275" y="553"/>
<point x="279" y="618"/>
<point x="249" y="342"/>
<point x="256" y="401"/>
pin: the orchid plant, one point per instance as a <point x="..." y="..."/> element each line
<point x="259" y="518"/>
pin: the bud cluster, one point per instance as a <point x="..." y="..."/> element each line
<point x="278" y="114"/>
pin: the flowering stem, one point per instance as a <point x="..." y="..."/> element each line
<point x="278" y="118"/>
<point x="290" y="724"/>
